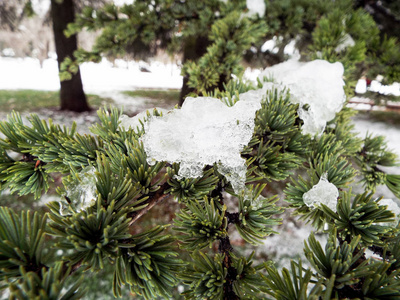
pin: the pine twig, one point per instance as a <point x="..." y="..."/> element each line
<point x="154" y="199"/>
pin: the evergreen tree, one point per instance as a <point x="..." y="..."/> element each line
<point x="214" y="39"/>
<point x="214" y="159"/>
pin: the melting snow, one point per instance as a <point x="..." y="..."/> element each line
<point x="323" y="192"/>
<point x="394" y="208"/>
<point x="203" y="132"/>
<point x="317" y="84"/>
<point x="83" y="192"/>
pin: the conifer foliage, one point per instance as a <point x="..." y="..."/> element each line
<point x="111" y="183"/>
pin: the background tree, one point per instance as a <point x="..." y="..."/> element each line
<point x="194" y="29"/>
<point x="72" y="96"/>
<point x="201" y="30"/>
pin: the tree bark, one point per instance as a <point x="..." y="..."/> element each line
<point x="193" y="49"/>
<point x="72" y="96"/>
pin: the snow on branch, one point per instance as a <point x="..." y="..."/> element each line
<point x="323" y="192"/>
<point x="317" y="86"/>
<point x="203" y="132"/>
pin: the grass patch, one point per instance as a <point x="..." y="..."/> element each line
<point x="31" y="100"/>
<point x="389" y="117"/>
<point x="171" y="96"/>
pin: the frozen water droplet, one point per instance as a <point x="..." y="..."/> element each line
<point x="323" y="192"/>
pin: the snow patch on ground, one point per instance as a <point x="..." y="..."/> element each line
<point x="26" y="73"/>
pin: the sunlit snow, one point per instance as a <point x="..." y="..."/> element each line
<point x="317" y="86"/>
<point x="203" y="132"/>
<point x="323" y="192"/>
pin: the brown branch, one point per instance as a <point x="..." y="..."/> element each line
<point x="225" y="248"/>
<point x="154" y="198"/>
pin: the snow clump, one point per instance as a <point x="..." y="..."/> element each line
<point x="255" y="7"/>
<point x="393" y="208"/>
<point x="82" y="192"/>
<point x="323" y="192"/>
<point x="203" y="132"/>
<point x="317" y="86"/>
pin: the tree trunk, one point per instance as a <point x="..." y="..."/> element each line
<point x="72" y="96"/>
<point x="193" y="49"/>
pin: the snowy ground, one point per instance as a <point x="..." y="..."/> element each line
<point x="109" y="80"/>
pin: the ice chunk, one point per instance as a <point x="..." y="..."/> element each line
<point x="323" y="192"/>
<point x="317" y="86"/>
<point x="203" y="132"/>
<point x="256" y="7"/>
<point x="82" y="192"/>
<point x="394" y="208"/>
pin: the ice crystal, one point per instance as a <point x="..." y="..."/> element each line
<point x="82" y="191"/>
<point x="317" y="86"/>
<point x="203" y="132"/>
<point x="323" y="192"/>
<point x="392" y="207"/>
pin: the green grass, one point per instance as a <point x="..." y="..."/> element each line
<point x="31" y="100"/>
<point x="171" y="96"/>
